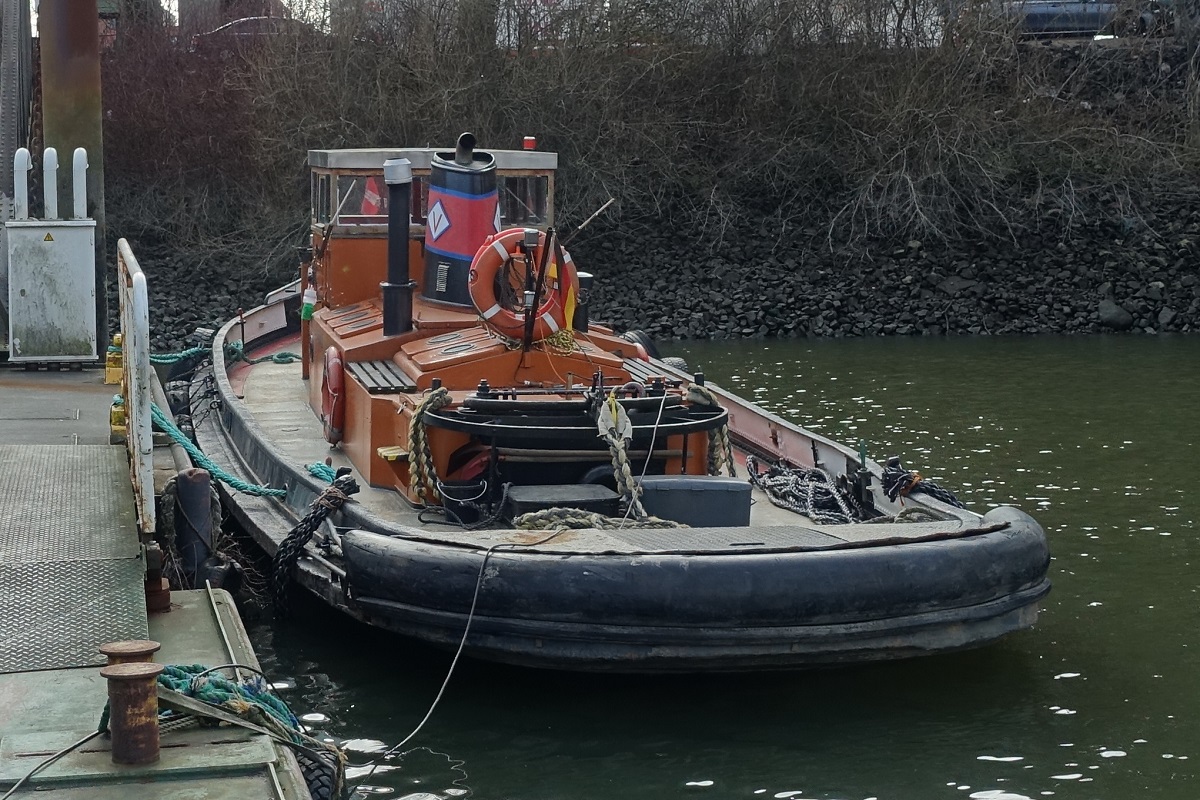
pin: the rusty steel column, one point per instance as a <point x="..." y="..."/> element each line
<point x="71" y="111"/>
<point x="133" y="711"/>
<point x="130" y="651"/>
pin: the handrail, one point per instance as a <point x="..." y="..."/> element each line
<point x="138" y="377"/>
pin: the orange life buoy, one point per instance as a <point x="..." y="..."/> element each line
<point x="552" y="316"/>
<point x="333" y="396"/>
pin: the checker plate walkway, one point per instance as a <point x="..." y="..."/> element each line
<point x="70" y="564"/>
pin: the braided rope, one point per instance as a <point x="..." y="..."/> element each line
<point x="611" y="423"/>
<point x="290" y="549"/>
<point x="899" y="482"/>
<point x="720" y="447"/>
<point x="164" y="423"/>
<point x="574" y="518"/>
<point x="422" y="478"/>
<point x="809" y="491"/>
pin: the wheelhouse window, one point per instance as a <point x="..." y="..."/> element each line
<point x="523" y="199"/>
<point x="321" y="203"/>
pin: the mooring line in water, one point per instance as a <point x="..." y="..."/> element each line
<point x="391" y="751"/>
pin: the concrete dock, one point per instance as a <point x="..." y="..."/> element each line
<point x="72" y="566"/>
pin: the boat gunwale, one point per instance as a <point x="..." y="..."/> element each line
<point x="303" y="488"/>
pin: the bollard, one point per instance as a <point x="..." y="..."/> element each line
<point x="158" y="590"/>
<point x="133" y="711"/>
<point x="193" y="522"/>
<point x="130" y="651"/>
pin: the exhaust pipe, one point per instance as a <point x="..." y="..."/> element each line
<point x="398" y="288"/>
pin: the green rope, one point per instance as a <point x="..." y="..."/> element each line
<point x="175" y="358"/>
<point x="322" y="472"/>
<point x="167" y="358"/>
<point x="179" y="437"/>
<point x="217" y="690"/>
<point x="236" y="351"/>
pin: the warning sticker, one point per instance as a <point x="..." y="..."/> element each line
<point x="48" y="238"/>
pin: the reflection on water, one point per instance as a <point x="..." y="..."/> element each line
<point x="1097" y="437"/>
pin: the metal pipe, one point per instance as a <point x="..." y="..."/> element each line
<point x="131" y="651"/>
<point x="79" y="166"/>
<point x="22" y="164"/>
<point x="50" y="183"/>
<point x="133" y="711"/>
<point x="397" y="289"/>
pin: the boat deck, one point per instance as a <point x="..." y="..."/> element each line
<point x="276" y="396"/>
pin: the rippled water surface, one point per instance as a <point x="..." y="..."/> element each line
<point x="1097" y="437"/>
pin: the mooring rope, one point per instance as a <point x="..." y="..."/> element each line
<point x="290" y="549"/>
<point x="899" y="482"/>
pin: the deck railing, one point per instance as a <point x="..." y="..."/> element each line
<point x="138" y="377"/>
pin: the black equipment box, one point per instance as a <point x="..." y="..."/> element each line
<point x="583" y="496"/>
<point x="701" y="501"/>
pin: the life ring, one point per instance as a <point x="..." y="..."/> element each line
<point x="561" y="295"/>
<point x="333" y="396"/>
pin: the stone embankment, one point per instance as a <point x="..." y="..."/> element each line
<point x="1121" y="277"/>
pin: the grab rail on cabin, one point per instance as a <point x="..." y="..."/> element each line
<point x="138" y="382"/>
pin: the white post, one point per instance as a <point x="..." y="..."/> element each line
<point x="50" y="183"/>
<point x="79" y="165"/>
<point x="22" y="163"/>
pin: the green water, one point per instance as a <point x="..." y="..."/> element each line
<point x="1097" y="437"/>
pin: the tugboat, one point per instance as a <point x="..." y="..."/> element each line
<point x="514" y="479"/>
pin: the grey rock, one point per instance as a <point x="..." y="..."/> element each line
<point x="1166" y="317"/>
<point x="1114" y="316"/>
<point x="955" y="285"/>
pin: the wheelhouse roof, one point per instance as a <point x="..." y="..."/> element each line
<point x="373" y="158"/>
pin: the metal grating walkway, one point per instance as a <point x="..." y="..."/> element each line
<point x="70" y="561"/>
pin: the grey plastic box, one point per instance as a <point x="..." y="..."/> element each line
<point x="697" y="500"/>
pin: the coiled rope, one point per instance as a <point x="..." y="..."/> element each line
<point x="422" y="479"/>
<point x="899" y="482"/>
<point x="290" y="549"/>
<point x="720" y="448"/>
<point x="248" y="701"/>
<point x="805" y="490"/>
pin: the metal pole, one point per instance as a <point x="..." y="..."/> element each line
<point x="71" y="109"/>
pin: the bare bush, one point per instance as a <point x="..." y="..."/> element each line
<point x="859" y="117"/>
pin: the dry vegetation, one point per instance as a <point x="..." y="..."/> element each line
<point x="854" y="120"/>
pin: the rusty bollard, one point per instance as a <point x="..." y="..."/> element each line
<point x="158" y="590"/>
<point x="133" y="711"/>
<point x="130" y="651"/>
